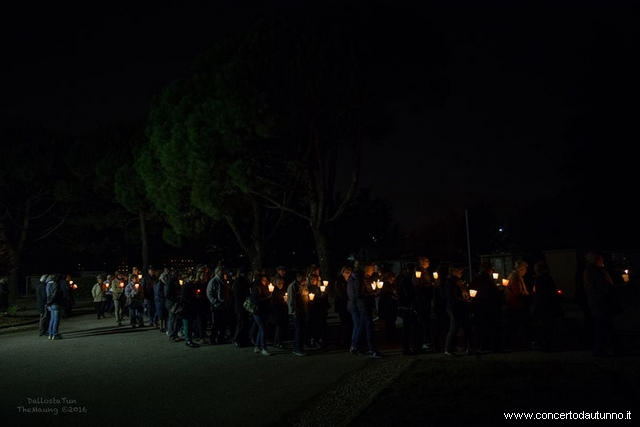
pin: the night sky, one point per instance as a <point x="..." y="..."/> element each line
<point x="505" y="105"/>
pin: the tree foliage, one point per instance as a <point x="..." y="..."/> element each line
<point x="256" y="131"/>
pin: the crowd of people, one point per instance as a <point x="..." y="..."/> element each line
<point x="439" y="311"/>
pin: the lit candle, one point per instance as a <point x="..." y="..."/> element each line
<point x="418" y="274"/>
<point x="181" y="282"/>
<point x="495" y="276"/>
<point x="373" y="285"/>
<point x="75" y="286"/>
<point x="472" y="293"/>
<point x="136" y="286"/>
<point x="625" y="277"/>
<point x="323" y="287"/>
<point x="121" y="285"/>
<point x="435" y="275"/>
<point x="380" y="284"/>
<point x="139" y="276"/>
<point x="285" y="296"/>
<point x="197" y="291"/>
<point x="311" y="297"/>
<point x="325" y="282"/>
<point x="505" y="282"/>
<point x="271" y="287"/>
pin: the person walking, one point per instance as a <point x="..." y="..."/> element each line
<point x="518" y="302"/>
<point x="600" y="290"/>
<point x="172" y="292"/>
<point x="362" y="300"/>
<point x="99" y="299"/>
<point x="55" y="304"/>
<point x="261" y="297"/>
<point x="411" y="345"/>
<point x="486" y="307"/>
<point x="279" y="317"/>
<point x="108" y="304"/>
<point x="546" y="307"/>
<point x="298" y="303"/>
<point x="340" y="302"/>
<point x="424" y="284"/>
<point x="441" y="317"/>
<point x="189" y="313"/>
<point x="219" y="294"/>
<point x="388" y="306"/>
<point x="117" y="292"/>
<point x="68" y="299"/>
<point x="459" y="310"/>
<point x="147" y="286"/>
<point x="318" y="311"/>
<point x="161" y="301"/>
<point x="135" y="302"/>
<point x="41" y="305"/>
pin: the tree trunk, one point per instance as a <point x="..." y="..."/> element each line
<point x="14" y="282"/>
<point x="324" y="252"/>
<point x="17" y="254"/>
<point x="252" y="246"/>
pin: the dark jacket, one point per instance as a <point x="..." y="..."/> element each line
<point x="241" y="290"/>
<point x="68" y="299"/>
<point x="598" y="286"/>
<point x="546" y="302"/>
<point x="54" y="293"/>
<point x="424" y="290"/>
<point x="340" y="295"/>
<point x="172" y="291"/>
<point x="488" y="298"/>
<point x="279" y="309"/>
<point x="298" y="298"/>
<point x="439" y="298"/>
<point x="457" y="295"/>
<point x="319" y="307"/>
<point x="406" y="292"/>
<point x="388" y="301"/>
<point x="361" y="294"/>
<point x="148" y="286"/>
<point x="189" y="301"/>
<point x="41" y="296"/>
<point x="261" y="297"/>
<point x="158" y="292"/>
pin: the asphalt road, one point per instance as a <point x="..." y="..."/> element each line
<point x="101" y="374"/>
